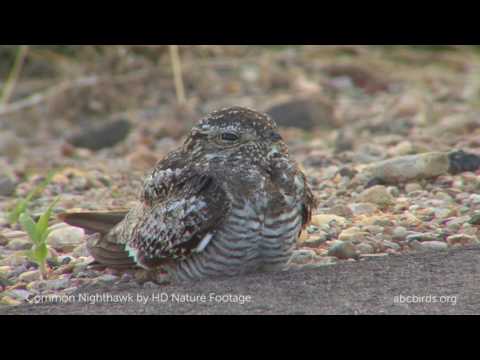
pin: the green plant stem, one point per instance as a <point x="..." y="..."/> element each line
<point x="14" y="73"/>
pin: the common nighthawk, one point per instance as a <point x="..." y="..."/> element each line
<point x="230" y="201"/>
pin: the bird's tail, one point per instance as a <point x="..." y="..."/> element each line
<point x="102" y="243"/>
<point x="94" y="221"/>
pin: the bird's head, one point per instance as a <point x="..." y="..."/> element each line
<point x="236" y="133"/>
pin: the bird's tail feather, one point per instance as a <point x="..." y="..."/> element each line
<point x="99" y="224"/>
<point x="95" y="221"/>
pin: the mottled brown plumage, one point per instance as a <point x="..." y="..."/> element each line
<point x="229" y="201"/>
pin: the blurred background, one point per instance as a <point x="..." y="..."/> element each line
<point x="117" y="109"/>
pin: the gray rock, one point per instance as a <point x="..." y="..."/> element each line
<point x="302" y="256"/>
<point x="434" y="245"/>
<point x="57" y="284"/>
<point x="20" y="294"/>
<point x="19" y="244"/>
<point x="66" y="238"/>
<point x="364" y="248"/>
<point x="107" y="278"/>
<point x="391" y="245"/>
<point x="342" y="250"/>
<point x="399" y="233"/>
<point x="7" y="186"/>
<point x="377" y="195"/>
<point x="363" y="208"/>
<point x="421" y="237"/>
<point x="304" y="114"/>
<point x="29" y="276"/>
<point x="462" y="239"/>
<point x="81" y="250"/>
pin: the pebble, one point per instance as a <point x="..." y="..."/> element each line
<point x="443" y="213"/>
<point x="475" y="219"/>
<point x="412" y="187"/>
<point x="19" y="244"/>
<point x="107" y="278"/>
<point x="364" y="248"/>
<point x="456" y="223"/>
<point x="391" y="245"/>
<point x="475" y="199"/>
<point x="315" y="240"/>
<point x="399" y="233"/>
<point x="327" y="219"/>
<point x="29" y="276"/>
<point x="377" y="195"/>
<point x="462" y="239"/>
<point x="423" y="237"/>
<point x="353" y="234"/>
<point x="342" y="250"/>
<point x="363" y="208"/>
<point x="302" y="256"/>
<point x="20" y="294"/>
<point x="7" y="186"/>
<point x="65" y="239"/>
<point x="434" y="245"/>
<point x="81" y="250"/>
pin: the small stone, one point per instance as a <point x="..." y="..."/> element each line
<point x="353" y="234"/>
<point x="99" y="137"/>
<point x="364" y="248"/>
<point x="302" y="256"/>
<point x="327" y="219"/>
<point x="7" y="186"/>
<point x="391" y="245"/>
<point x="316" y="240"/>
<point x="10" y="301"/>
<point x="399" y="233"/>
<point x="475" y="219"/>
<point x="66" y="238"/>
<point x="14" y="260"/>
<point x="412" y="187"/>
<point x="19" y="244"/>
<point x="363" y="208"/>
<point x="443" y="213"/>
<point x="475" y="199"/>
<point x="462" y="239"/>
<point x="81" y="250"/>
<point x="434" y="245"/>
<point x="374" y="229"/>
<point x="377" y="195"/>
<point x="20" y="294"/>
<point x="107" y="278"/>
<point x="342" y="250"/>
<point x="402" y="148"/>
<point x="29" y="276"/>
<point x="423" y="237"/>
<point x="150" y="285"/>
<point x="57" y="284"/>
<point x="456" y="223"/>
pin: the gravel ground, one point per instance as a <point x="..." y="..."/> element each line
<point x="431" y="283"/>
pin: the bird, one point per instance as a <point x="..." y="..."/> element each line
<point x="229" y="201"/>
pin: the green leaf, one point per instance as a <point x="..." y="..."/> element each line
<point x="28" y="225"/>
<point x="17" y="211"/>
<point x="40" y="253"/>
<point x="42" y="224"/>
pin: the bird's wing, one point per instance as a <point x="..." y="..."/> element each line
<point x="182" y="210"/>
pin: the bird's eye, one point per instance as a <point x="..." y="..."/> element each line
<point x="229" y="137"/>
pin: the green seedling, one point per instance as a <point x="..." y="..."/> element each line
<point x="38" y="233"/>
<point x="22" y="204"/>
